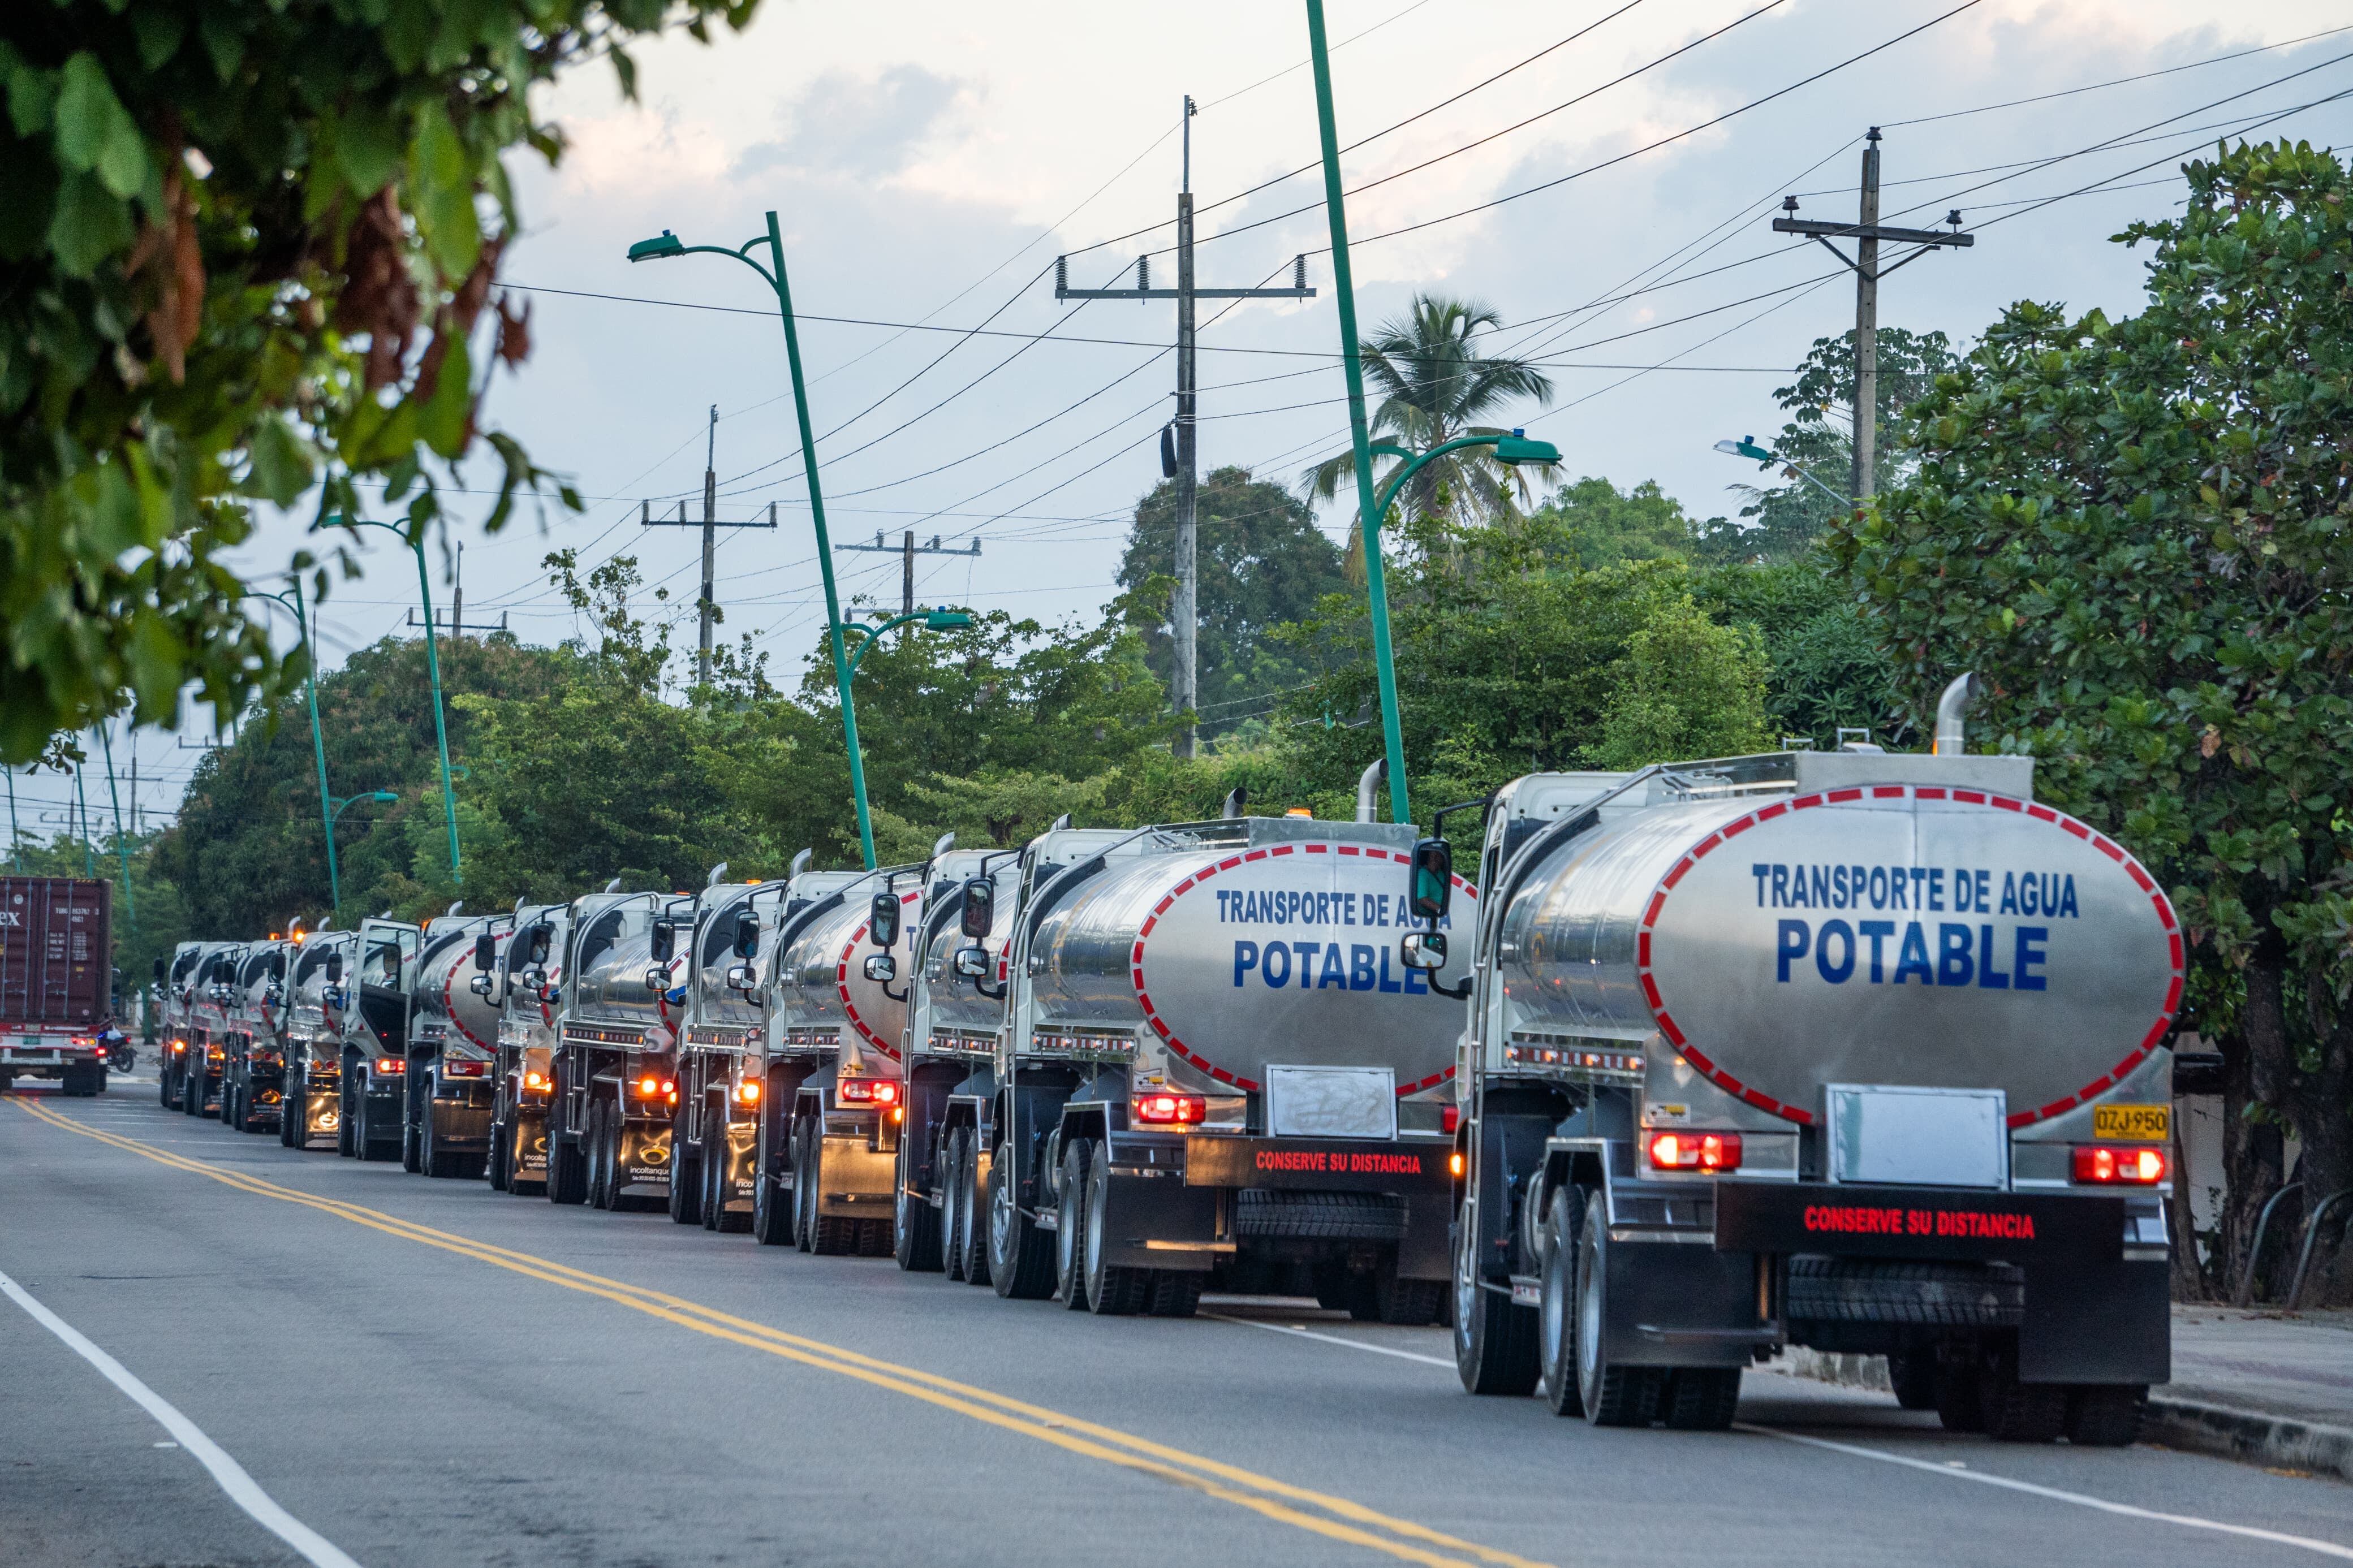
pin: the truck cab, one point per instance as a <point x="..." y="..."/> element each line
<point x="253" y="1067"/>
<point x="211" y="996"/>
<point x="1856" y="1051"/>
<point x="729" y="931"/>
<point x="615" y="1066"/>
<point x="318" y="997"/>
<point x="374" y="1077"/>
<point x="526" y="973"/>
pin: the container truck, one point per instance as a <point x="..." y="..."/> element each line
<point x="614" y="1069"/>
<point x="374" y="1077"/>
<point x="951" y="1052"/>
<point x="253" y="1062"/>
<point x="831" y="1083"/>
<point x="452" y="1043"/>
<point x="1852" y="1050"/>
<point x="525" y="969"/>
<point x="714" y="1134"/>
<point x="318" y="1001"/>
<point x="56" y="980"/>
<point x="209" y="1001"/>
<point x="1212" y="1073"/>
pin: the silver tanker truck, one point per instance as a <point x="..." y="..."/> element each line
<point x="316" y="1001"/>
<point x="614" y="1069"/>
<point x="253" y="1067"/>
<point x="525" y="968"/>
<point x="714" y="1132"/>
<point x="832" y="1084"/>
<point x="452" y="1039"/>
<point x="1212" y="1073"/>
<point x="1858" y="1051"/>
<point x="951" y="1052"/>
<point x="210" y="995"/>
<point x="180" y="982"/>
<point x="376" y="1040"/>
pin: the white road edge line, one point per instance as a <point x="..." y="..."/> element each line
<point x="1333" y="1340"/>
<point x="241" y="1487"/>
<point x="2188" y="1521"/>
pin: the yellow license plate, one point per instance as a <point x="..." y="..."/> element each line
<point x="2133" y="1123"/>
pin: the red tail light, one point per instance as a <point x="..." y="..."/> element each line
<point x="1709" y="1151"/>
<point x="1158" y="1109"/>
<point x="2135" y="1167"/>
<point x="869" y="1091"/>
<point x="1450" y="1118"/>
<point x="535" y="1081"/>
<point x="389" y="1067"/>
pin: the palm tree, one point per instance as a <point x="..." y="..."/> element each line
<point x="1435" y="385"/>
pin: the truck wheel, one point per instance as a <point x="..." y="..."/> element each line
<point x="1912" y="1376"/>
<point x="874" y="1238"/>
<point x="2106" y="1416"/>
<point x="1494" y="1341"/>
<point x="972" y="1209"/>
<point x="1701" y="1398"/>
<point x="443" y="1165"/>
<point x="498" y="1167"/>
<point x="2019" y="1412"/>
<point x="1960" y="1403"/>
<point x="98" y="1080"/>
<point x="1111" y="1292"/>
<point x="1407" y="1303"/>
<point x="771" y="1219"/>
<point x="1615" y="1394"/>
<point x="712" y="1163"/>
<point x="1020" y="1258"/>
<point x="1556" y="1314"/>
<point x="914" y="1223"/>
<point x="803" y="1214"/>
<point x="1176" y="1292"/>
<point x="289" y="1118"/>
<point x="1069" y="1225"/>
<point x="685" y="1174"/>
<point x="592" y="1153"/>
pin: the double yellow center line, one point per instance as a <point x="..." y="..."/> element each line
<point x="1320" y="1513"/>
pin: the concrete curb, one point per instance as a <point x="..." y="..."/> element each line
<point x="2188" y="1425"/>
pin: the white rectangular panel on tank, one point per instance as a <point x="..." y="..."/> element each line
<point x="1895" y="1135"/>
<point x="1331" y="1101"/>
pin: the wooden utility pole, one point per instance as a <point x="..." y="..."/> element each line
<point x="707" y="605"/>
<point x="1185" y="614"/>
<point x="1867" y="233"/>
<point x="907" y="549"/>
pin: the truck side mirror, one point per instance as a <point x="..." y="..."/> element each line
<point x="1424" y="949"/>
<point x="747" y="933"/>
<point x="658" y="978"/>
<point x="972" y="962"/>
<point x="335" y="968"/>
<point x="542" y="936"/>
<point x="665" y="939"/>
<point x="881" y="968"/>
<point x="479" y="986"/>
<point x="1433" y="879"/>
<point x="486" y="950"/>
<point x="740" y="976"/>
<point x="979" y="908"/>
<point x="882" y="920"/>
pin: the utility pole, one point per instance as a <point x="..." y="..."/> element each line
<point x="1185" y="614"/>
<point x="1867" y="233"/>
<point x="458" y="598"/>
<point x="708" y="608"/>
<point x="907" y="549"/>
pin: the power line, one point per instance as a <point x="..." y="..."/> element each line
<point x="2118" y="82"/>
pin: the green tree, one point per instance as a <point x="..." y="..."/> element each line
<point x="1597" y="524"/>
<point x="224" y="225"/>
<point x="1827" y="672"/>
<point x="2136" y="532"/>
<point x="1785" y="521"/>
<point x="1261" y="563"/>
<point x="1436" y="384"/>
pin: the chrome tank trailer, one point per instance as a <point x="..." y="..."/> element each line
<point x="1900" y="934"/>
<point x="1276" y="949"/>
<point x="823" y="999"/>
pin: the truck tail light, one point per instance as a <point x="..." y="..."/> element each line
<point x="1449" y="1119"/>
<point x="652" y="1087"/>
<point x="464" y="1069"/>
<point x="869" y="1091"/>
<point x="1156" y="1109"/>
<point x="389" y="1067"/>
<point x="2102" y="1166"/>
<point x="1709" y="1151"/>
<point x="178" y="1046"/>
<point x="748" y="1092"/>
<point x="535" y="1083"/>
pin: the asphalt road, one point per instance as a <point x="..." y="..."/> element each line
<point x="430" y="1372"/>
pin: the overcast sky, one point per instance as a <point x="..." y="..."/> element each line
<point x="928" y="162"/>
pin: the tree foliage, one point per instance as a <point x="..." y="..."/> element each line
<point x="2137" y="532"/>
<point x="245" y="247"/>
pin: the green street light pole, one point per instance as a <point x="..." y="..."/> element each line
<point x="942" y="619"/>
<point x="122" y="844"/>
<point x="1368" y="516"/>
<point x="433" y="669"/>
<point x="668" y="245"/>
<point x="311" y="680"/>
<point x="334" y="883"/>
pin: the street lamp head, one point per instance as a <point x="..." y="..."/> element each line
<point x="384" y="794"/>
<point x="1746" y="447"/>
<point x="943" y="620"/>
<point x="666" y="244"/>
<point x="1516" y="448"/>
